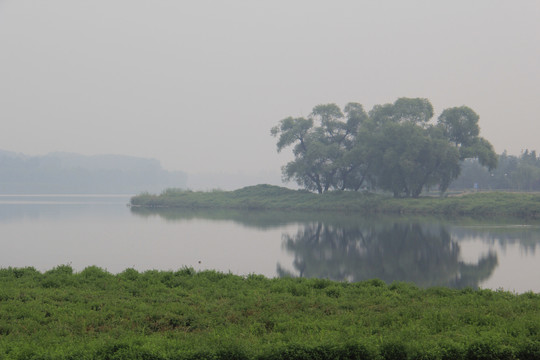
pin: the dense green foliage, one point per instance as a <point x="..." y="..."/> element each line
<point x="393" y="148"/>
<point x="185" y="314"/>
<point x="520" y="173"/>
<point x="274" y="197"/>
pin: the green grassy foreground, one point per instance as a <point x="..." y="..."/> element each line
<point x="278" y="198"/>
<point x="185" y="314"/>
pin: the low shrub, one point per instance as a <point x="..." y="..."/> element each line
<point x="186" y="314"/>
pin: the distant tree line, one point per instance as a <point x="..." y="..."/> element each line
<point x="518" y="173"/>
<point x="394" y="147"/>
<point x="65" y="173"/>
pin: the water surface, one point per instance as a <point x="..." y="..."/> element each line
<point x="46" y="231"/>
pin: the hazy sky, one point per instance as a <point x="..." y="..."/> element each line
<point x="198" y="84"/>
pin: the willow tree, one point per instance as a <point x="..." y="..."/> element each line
<point x="411" y="153"/>
<point x="322" y="146"/>
<point x="460" y="126"/>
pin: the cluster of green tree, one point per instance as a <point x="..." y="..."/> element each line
<point x="393" y="147"/>
<point x="519" y="173"/>
<point x="189" y="315"/>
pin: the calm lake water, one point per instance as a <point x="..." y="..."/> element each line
<point x="46" y="231"/>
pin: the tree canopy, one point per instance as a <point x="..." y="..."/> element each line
<point x="395" y="147"/>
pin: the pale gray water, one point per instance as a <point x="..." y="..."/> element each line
<point x="46" y="231"/>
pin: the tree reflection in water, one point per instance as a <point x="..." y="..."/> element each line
<point x="412" y="252"/>
<point x="349" y="247"/>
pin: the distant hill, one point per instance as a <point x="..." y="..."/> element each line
<point x="68" y="173"/>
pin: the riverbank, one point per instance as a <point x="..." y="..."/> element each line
<point x="268" y="197"/>
<point x="185" y="314"/>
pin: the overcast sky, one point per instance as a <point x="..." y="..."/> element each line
<point x="198" y="84"/>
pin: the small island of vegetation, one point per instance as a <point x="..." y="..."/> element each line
<point x="268" y="197"/>
<point x="381" y="161"/>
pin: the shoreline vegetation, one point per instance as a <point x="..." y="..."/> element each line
<point x="185" y="314"/>
<point x="269" y="197"/>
